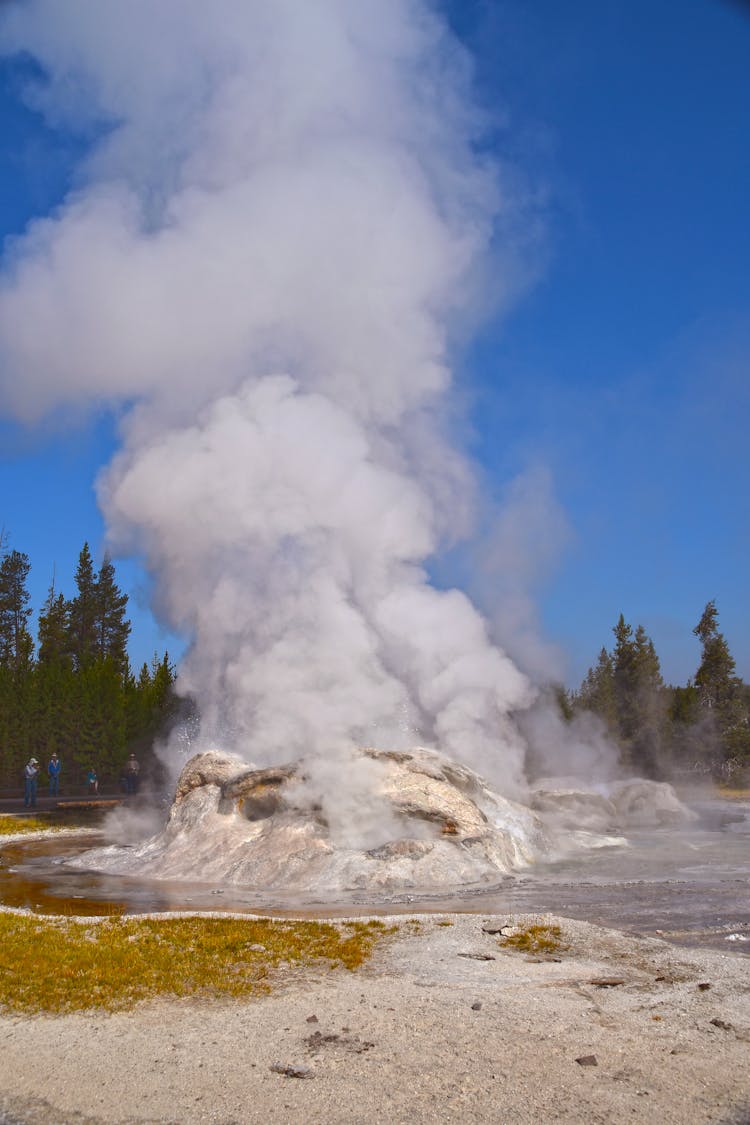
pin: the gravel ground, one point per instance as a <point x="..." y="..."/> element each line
<point x="442" y="1025"/>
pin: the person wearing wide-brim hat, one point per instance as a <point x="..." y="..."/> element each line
<point x="30" y="774"/>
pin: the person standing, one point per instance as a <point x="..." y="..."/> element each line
<point x="92" y="781"/>
<point x="53" y="769"/>
<point x="132" y="769"/>
<point x="30" y="774"/>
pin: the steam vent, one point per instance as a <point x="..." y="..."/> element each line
<point x="430" y="823"/>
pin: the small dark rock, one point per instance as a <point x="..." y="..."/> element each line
<point x="352" y="1043"/>
<point x="318" y="1039"/>
<point x="476" y="1007"/>
<point x="722" y="1024"/>
<point x="704" y="985"/>
<point x="312" y="1019"/>
<point x="495" y="927"/>
<point x="607" y="982"/>
<point x="478" y="956"/>
<point x="587" y="1060"/>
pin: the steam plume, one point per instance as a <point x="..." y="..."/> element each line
<point x="282" y="212"/>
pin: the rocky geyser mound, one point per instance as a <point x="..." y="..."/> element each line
<point x="262" y="828"/>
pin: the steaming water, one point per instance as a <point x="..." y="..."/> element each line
<point x="689" y="885"/>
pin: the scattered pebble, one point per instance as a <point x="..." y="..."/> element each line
<point x="348" y="1042"/>
<point x="476" y="1007"/>
<point x="290" y="1070"/>
<point x="312" y="1019"/>
<point x="722" y="1024"/>
<point x="478" y="956"/>
<point x="318" y="1039"/>
<point x="587" y="1060"/>
<point x="704" y="985"/>
<point x="607" y="982"/>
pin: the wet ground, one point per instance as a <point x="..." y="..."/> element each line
<point x="689" y="885"/>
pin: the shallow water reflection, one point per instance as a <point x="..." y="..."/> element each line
<point x="689" y="885"/>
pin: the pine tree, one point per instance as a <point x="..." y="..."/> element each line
<point x="82" y="635"/>
<point x="112" y="627"/>
<point x="54" y="684"/>
<point x="597" y="692"/>
<point x="16" y="666"/>
<point x="626" y="690"/>
<point x="648" y="738"/>
<point x="722" y="695"/>
<point x="624" y="664"/>
<point x="715" y="677"/>
<point x="150" y="704"/>
<point x="102" y="739"/>
<point x="16" y="644"/>
<point x="53" y="629"/>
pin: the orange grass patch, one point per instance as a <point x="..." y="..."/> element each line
<point x="535" y="939"/>
<point x="59" y="965"/>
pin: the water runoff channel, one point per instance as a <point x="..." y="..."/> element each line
<point x="688" y="885"/>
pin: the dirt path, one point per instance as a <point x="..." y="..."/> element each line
<point x="442" y="1026"/>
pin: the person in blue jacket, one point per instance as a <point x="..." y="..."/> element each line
<point x="53" y="769"/>
<point x="30" y="774"/>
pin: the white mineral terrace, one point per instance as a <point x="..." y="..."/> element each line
<point x="429" y="824"/>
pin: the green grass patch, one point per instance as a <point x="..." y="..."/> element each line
<point x="57" y="965"/>
<point x="536" y="939"/>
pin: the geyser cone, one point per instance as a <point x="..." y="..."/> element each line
<point x="441" y="826"/>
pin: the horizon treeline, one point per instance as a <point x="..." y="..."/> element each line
<point x="72" y="690"/>
<point x="662" y="729"/>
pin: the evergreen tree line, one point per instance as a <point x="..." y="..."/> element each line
<point x="703" y="727"/>
<point x="72" y="691"/>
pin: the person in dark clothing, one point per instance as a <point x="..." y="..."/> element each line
<point x="132" y="769"/>
<point x="53" y="769"/>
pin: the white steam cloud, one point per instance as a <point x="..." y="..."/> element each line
<point x="282" y="212"/>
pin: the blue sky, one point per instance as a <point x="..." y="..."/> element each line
<point x="623" y="368"/>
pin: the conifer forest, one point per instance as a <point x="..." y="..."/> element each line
<point x="72" y="690"/>
<point x="663" y="730"/>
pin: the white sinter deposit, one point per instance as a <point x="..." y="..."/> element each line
<point x="439" y="825"/>
<point x="634" y="802"/>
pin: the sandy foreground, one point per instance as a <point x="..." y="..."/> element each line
<point x="441" y="1025"/>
